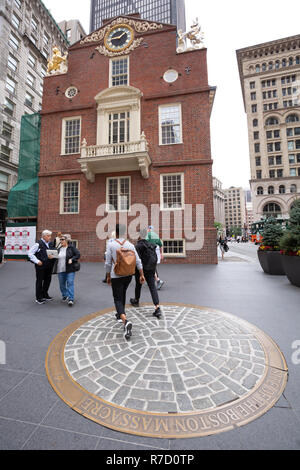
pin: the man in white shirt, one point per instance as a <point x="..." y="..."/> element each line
<point x="43" y="266"/>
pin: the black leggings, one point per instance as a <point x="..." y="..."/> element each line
<point x="150" y="278"/>
<point x="119" y="287"/>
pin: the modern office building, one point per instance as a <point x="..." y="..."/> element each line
<point x="117" y="143"/>
<point x="27" y="34"/>
<point x="163" y="11"/>
<point x="270" y="79"/>
<point x="73" y="30"/>
<point x="235" y="208"/>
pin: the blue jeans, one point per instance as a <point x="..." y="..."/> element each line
<point x="66" y="284"/>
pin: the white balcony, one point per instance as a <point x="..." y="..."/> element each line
<point x="112" y="158"/>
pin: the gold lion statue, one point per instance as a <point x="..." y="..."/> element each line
<point x="58" y="63"/>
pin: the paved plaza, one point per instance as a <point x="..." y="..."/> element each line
<point x="223" y="331"/>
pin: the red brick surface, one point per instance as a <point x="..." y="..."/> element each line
<point x="88" y="70"/>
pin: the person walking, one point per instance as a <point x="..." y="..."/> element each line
<point x="121" y="262"/>
<point x="148" y="255"/>
<point x="43" y="267"/>
<point x="222" y="243"/>
<point x="152" y="237"/>
<point x="68" y="255"/>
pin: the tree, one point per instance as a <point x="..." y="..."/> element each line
<point x="290" y="242"/>
<point x="272" y="233"/>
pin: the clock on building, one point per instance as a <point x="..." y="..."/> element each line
<point x="119" y="38"/>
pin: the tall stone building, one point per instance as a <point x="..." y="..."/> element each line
<point x="27" y="34"/>
<point x="235" y="208"/>
<point x="163" y="11"/>
<point x="219" y="202"/>
<point x="270" y="79"/>
<point x="117" y="142"/>
<point x="73" y="30"/>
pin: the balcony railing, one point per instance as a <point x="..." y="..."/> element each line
<point x="124" y="156"/>
<point x="113" y="149"/>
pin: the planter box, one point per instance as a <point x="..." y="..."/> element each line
<point x="271" y="262"/>
<point x="291" y="265"/>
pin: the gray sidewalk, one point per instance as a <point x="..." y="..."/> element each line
<point x="32" y="416"/>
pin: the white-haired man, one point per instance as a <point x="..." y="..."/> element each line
<point x="43" y="266"/>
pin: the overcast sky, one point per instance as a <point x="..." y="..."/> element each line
<point x="227" y="26"/>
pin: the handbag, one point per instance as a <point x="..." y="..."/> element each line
<point x="76" y="266"/>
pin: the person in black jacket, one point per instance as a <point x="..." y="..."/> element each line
<point x="68" y="255"/>
<point x="147" y="253"/>
<point x="43" y="266"/>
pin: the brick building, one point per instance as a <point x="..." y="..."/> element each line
<point x="129" y="123"/>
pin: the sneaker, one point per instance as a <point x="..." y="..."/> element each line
<point x="118" y="318"/>
<point x="71" y="303"/>
<point x="160" y="284"/>
<point x="64" y="299"/>
<point x="157" y="313"/>
<point x="128" y="329"/>
<point x="48" y="298"/>
<point x="134" y="302"/>
<point x="40" y="302"/>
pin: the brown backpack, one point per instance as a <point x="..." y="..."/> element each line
<point x="125" y="262"/>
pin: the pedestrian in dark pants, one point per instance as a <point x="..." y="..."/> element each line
<point x="116" y="249"/>
<point x="148" y="255"/>
<point x="43" y="266"/>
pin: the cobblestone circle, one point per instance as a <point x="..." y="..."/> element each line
<point x="189" y="360"/>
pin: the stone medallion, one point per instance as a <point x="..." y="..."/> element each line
<point x="195" y="372"/>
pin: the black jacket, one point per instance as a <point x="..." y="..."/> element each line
<point x="42" y="256"/>
<point x="71" y="253"/>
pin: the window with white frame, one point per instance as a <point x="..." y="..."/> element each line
<point x="32" y="60"/>
<point x="30" y="80"/>
<point x="14" y="41"/>
<point x="118" y="194"/>
<point x="15" y="20"/>
<point x="172" y="191"/>
<point x="28" y="99"/>
<point x="119" y="127"/>
<point x="12" y="63"/>
<point x="10" y="85"/>
<point x="69" y="200"/>
<point x="119" y="74"/>
<point x="3" y="181"/>
<point x="7" y="130"/>
<point x="170" y="124"/>
<point x="71" y="135"/>
<point x="174" y="248"/>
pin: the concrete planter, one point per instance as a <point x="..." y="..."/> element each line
<point x="271" y="262"/>
<point x="291" y="265"/>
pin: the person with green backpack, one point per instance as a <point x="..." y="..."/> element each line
<point x="147" y="253"/>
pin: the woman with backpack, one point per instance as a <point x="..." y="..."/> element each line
<point x="121" y="262"/>
<point x="148" y="255"/>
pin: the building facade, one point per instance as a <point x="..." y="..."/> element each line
<point x="219" y="202"/>
<point x="27" y="33"/>
<point x="235" y="209"/>
<point x="270" y="79"/>
<point x="118" y="143"/>
<point x="163" y="11"/>
<point x="73" y="30"/>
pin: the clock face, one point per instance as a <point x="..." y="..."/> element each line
<point x="119" y="38"/>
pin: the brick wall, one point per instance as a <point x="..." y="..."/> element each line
<point x="89" y="72"/>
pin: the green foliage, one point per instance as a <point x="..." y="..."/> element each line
<point x="235" y="231"/>
<point x="271" y="233"/>
<point x="290" y="242"/>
